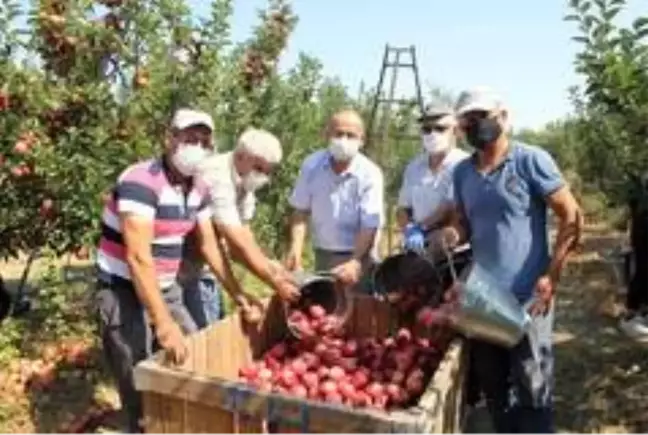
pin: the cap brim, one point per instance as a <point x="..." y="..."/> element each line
<point x="477" y="106"/>
<point x="194" y="124"/>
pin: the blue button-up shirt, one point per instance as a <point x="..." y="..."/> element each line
<point x="506" y="215"/>
<point x="340" y="205"/>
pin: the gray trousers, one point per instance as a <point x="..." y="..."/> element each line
<point x="127" y="337"/>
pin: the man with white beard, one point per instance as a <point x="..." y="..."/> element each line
<point x="232" y="179"/>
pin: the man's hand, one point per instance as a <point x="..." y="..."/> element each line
<point x="544" y="293"/>
<point x="170" y="337"/>
<point x="349" y="272"/>
<point x="284" y="284"/>
<point x="444" y="238"/>
<point x="413" y="237"/>
<point x="293" y="261"/>
<point x="250" y="307"/>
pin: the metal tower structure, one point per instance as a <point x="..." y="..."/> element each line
<point x="395" y="59"/>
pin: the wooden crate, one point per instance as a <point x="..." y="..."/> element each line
<point x="205" y="396"/>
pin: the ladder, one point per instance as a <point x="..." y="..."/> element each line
<point x="394" y="59"/>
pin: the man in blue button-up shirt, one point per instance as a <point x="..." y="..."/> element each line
<point x="501" y="195"/>
<point x="341" y="192"/>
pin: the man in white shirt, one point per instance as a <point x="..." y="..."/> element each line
<point x="232" y="179"/>
<point x="427" y="181"/>
<point x="340" y="191"/>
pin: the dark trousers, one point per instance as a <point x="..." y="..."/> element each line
<point x="637" y="296"/>
<point x="518" y="382"/>
<point x="127" y="338"/>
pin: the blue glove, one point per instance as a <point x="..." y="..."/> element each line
<point x="413" y="238"/>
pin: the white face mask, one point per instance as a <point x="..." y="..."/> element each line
<point x="254" y="181"/>
<point x="187" y="158"/>
<point x="436" y="143"/>
<point x="344" y="149"/>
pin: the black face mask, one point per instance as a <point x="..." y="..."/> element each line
<point x="483" y="132"/>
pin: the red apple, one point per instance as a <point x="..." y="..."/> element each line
<point x="310" y="379"/>
<point x="317" y="311"/>
<point x="278" y="351"/>
<point x="337" y="373"/>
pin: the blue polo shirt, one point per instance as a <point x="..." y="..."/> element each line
<point x="506" y="215"/>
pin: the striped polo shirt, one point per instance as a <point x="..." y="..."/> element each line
<point x="144" y="190"/>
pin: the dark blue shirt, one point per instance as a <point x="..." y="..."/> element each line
<point x="506" y="215"/>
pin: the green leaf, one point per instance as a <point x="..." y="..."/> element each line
<point x="581" y="39"/>
<point x="640" y="23"/>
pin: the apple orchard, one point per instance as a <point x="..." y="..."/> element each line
<point x="89" y="87"/>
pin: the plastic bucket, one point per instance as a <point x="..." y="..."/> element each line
<point x="320" y="288"/>
<point x="409" y="271"/>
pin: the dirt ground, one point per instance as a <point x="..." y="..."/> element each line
<point x="601" y="380"/>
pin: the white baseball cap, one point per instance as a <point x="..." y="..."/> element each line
<point x="479" y="98"/>
<point x="261" y="143"/>
<point x="184" y="118"/>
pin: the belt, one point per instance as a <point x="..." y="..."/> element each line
<point x="330" y="251"/>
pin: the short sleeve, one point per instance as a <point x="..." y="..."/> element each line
<point x="453" y="194"/>
<point x="544" y="175"/>
<point x="372" y="202"/>
<point x="205" y="212"/>
<point x="405" y="192"/>
<point x="223" y="204"/>
<point x="135" y="197"/>
<point x="301" y="196"/>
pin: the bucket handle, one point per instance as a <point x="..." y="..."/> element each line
<point x="445" y="249"/>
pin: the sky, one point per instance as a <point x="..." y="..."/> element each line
<point x="521" y="48"/>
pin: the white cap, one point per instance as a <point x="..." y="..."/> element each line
<point x="184" y="118"/>
<point x="479" y="98"/>
<point x="261" y="143"/>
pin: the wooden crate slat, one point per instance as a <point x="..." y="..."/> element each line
<point x="204" y="390"/>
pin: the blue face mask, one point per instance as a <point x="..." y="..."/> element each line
<point x="187" y="158"/>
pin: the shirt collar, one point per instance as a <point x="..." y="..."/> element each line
<point x="171" y="176"/>
<point x="352" y="169"/>
<point x="510" y="154"/>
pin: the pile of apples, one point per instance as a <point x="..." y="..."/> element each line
<point x="328" y="365"/>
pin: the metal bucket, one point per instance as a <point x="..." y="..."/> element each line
<point x="485" y="311"/>
<point x="320" y="288"/>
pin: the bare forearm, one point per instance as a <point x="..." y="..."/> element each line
<point x="298" y="228"/>
<point x="567" y="239"/>
<point x="144" y="278"/>
<point x="364" y="242"/>
<point x="248" y="252"/>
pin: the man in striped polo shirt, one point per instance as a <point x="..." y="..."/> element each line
<point x="154" y="205"/>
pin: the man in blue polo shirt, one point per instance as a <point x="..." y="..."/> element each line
<point x="501" y="197"/>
